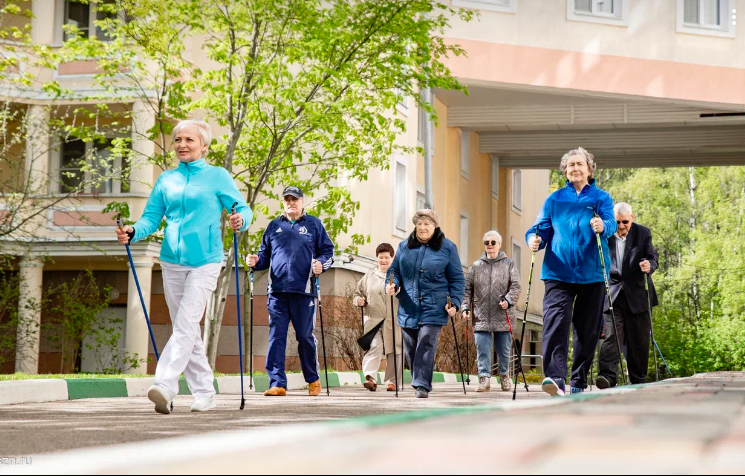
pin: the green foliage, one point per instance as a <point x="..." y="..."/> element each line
<point x="9" y="294"/>
<point x="697" y="217"/>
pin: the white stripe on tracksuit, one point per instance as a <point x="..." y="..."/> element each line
<point x="187" y="289"/>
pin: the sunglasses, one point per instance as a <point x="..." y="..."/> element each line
<point x="492" y="242"/>
<point x="625" y="222"/>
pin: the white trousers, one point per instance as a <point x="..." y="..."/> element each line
<point x="372" y="359"/>
<point x="187" y="289"/>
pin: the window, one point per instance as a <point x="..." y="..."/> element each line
<point x="399" y="198"/>
<point x="495" y="177"/>
<point x="517" y="190"/>
<point x="78" y="165"/>
<point x="517" y="255"/>
<point x="463" y="250"/>
<point x="421" y="201"/>
<point x="465" y="153"/>
<point x="83" y="16"/>
<point x="707" y="17"/>
<point x="403" y="102"/>
<point x="71" y="165"/>
<point x="504" y="6"/>
<point x="610" y="12"/>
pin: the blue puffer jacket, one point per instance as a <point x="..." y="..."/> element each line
<point x="192" y="198"/>
<point x="425" y="275"/>
<point x="564" y="227"/>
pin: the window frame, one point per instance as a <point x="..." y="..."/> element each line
<point x="403" y="161"/>
<point x="519" y="261"/>
<point x="463" y="249"/>
<point x="55" y="158"/>
<point x="465" y="154"/>
<point x="489" y="5"/>
<point x="619" y="19"/>
<point x="517" y="208"/>
<point x="728" y="29"/>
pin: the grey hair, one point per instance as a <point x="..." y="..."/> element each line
<point x="582" y="152"/>
<point x="204" y="130"/>
<point x="493" y="232"/>
<point x="622" y="209"/>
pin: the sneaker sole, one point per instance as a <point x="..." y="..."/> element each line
<point x="370" y="386"/>
<point x="602" y="384"/>
<point x="160" y="401"/>
<point x="552" y="389"/>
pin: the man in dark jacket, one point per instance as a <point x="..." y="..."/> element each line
<point x="297" y="248"/>
<point x="632" y="256"/>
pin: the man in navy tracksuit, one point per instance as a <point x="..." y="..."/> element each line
<point x="296" y="248"/>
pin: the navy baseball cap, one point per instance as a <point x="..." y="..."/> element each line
<point x="294" y="191"/>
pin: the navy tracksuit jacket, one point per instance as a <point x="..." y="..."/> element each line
<point x="288" y="250"/>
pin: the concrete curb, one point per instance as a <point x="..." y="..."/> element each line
<point x="14" y="392"/>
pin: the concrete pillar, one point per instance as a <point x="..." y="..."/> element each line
<point x="136" y="336"/>
<point x="43" y="28"/>
<point x="141" y="177"/>
<point x="29" y="316"/>
<point x="37" y="148"/>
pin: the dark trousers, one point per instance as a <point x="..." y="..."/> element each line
<point x="301" y="311"/>
<point x="633" y="329"/>
<point x="421" y="346"/>
<point x="563" y="305"/>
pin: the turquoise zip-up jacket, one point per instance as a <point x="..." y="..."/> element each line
<point x="191" y="198"/>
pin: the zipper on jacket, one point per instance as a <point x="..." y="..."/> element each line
<point x="490" y="293"/>
<point x="183" y="212"/>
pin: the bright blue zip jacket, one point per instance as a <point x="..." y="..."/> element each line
<point x="192" y="198"/>
<point x="571" y="246"/>
<point x="289" y="250"/>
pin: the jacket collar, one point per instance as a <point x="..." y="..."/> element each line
<point x="501" y="256"/>
<point x="192" y="167"/>
<point x="438" y="238"/>
<point x="590" y="185"/>
<point x="286" y="218"/>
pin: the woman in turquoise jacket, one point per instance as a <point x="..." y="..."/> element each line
<point x="191" y="198"/>
<point x="575" y="288"/>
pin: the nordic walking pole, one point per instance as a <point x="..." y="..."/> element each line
<point x="395" y="349"/>
<point x="610" y="300"/>
<point x="468" y="360"/>
<point x="238" y="307"/>
<point x="457" y="349"/>
<point x="251" y="337"/>
<point x="323" y="335"/>
<point x="142" y="299"/>
<point x="518" y="345"/>
<point x="651" y="327"/>
<point x="519" y="367"/>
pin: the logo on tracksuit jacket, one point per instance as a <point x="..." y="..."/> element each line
<point x="288" y="250"/>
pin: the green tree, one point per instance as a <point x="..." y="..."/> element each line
<point x="305" y="90"/>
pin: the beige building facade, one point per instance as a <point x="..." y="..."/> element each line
<point x="640" y="83"/>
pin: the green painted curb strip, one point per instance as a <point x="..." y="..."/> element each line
<point x="438" y="377"/>
<point x="183" y="387"/>
<point x="261" y="383"/>
<point x="95" y="388"/>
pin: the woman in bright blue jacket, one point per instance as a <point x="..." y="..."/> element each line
<point x="575" y="288"/>
<point x="191" y="198"/>
<point x="426" y="270"/>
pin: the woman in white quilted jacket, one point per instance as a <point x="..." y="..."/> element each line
<point x="492" y="289"/>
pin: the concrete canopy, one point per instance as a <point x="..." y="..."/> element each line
<point x="533" y="127"/>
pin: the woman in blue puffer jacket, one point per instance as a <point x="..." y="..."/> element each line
<point x="426" y="271"/>
<point x="191" y="198"/>
<point x="572" y="271"/>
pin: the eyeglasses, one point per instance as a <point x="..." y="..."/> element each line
<point x="625" y="222"/>
<point x="492" y="242"/>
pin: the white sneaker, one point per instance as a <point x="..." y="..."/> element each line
<point x="204" y="404"/>
<point x="161" y="400"/>
<point x="551" y="388"/>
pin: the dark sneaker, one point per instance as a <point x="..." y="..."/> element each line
<point x="602" y="382"/>
<point x="577" y="390"/>
<point x="371" y="384"/>
<point x="552" y="388"/>
<point x="422" y="392"/>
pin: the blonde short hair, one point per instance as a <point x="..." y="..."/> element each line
<point x="426" y="214"/>
<point x="583" y="153"/>
<point x="204" y="130"/>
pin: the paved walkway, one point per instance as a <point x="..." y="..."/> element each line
<point x="694" y="425"/>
